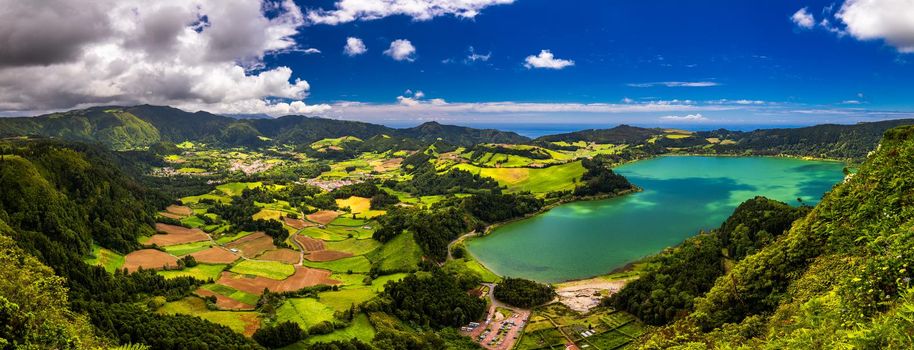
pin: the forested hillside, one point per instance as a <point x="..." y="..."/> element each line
<point x="58" y="201"/>
<point x="850" y="142"/>
<point x="839" y="278"/>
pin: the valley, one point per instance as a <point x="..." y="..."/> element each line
<point x="357" y="239"/>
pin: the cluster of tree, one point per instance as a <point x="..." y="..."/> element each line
<point x="529" y="152"/>
<point x="600" y="178"/>
<point x="432" y="229"/>
<point x="523" y="293"/>
<point x="283" y="334"/>
<point x="241" y="210"/>
<point x="431" y="299"/>
<point x="666" y="292"/>
<point x="416" y="161"/>
<point x="129" y="323"/>
<point x="495" y="207"/>
<point x="301" y="195"/>
<point x="426" y="181"/>
<point x="290" y="172"/>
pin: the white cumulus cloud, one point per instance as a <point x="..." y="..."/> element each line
<point x="676" y="84"/>
<point x="354" y="47"/>
<point x="697" y="117"/>
<point x="192" y="54"/>
<point x="401" y="50"/>
<point x="803" y="19"/>
<point x="545" y="59"/>
<point x="346" y="11"/>
<point x="889" y="20"/>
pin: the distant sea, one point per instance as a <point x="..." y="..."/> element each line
<point x="537" y="130"/>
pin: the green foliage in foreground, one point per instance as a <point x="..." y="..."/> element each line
<point x="838" y="279"/>
<point x="34" y="310"/>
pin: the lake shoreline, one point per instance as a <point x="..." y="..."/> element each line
<point x="621" y="270"/>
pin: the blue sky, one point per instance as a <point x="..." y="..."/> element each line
<point x="753" y="50"/>
<point x="477" y="62"/>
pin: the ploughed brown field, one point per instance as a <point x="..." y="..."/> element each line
<point x="323" y="217"/>
<point x="170" y="215"/>
<point x="148" y="259"/>
<point x="180" y="210"/>
<point x="215" y="255"/>
<point x="176" y="235"/>
<point x="310" y="244"/>
<point x="303" y="277"/>
<point x="297" y="224"/>
<point x="388" y="165"/>
<point x="287" y="256"/>
<point x="326" y="255"/>
<point x="253" y="244"/>
<point x="224" y="302"/>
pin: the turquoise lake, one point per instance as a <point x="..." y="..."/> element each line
<point x="682" y="195"/>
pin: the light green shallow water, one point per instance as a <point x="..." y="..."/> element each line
<point x="682" y="195"/>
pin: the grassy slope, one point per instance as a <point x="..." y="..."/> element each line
<point x="537" y="180"/>
<point x="106" y="258"/>
<point x="269" y="269"/>
<point x="238" y="321"/>
<point x="399" y="254"/>
<point x="201" y="272"/>
<point x="837" y="279"/>
<point x="357" y="264"/>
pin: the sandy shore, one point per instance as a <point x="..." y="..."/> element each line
<point x="583" y="295"/>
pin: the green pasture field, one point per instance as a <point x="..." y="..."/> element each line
<point x="399" y="254"/>
<point x="337" y="233"/>
<point x="188" y="248"/>
<point x="360" y="329"/>
<point x="343" y="299"/>
<point x="306" y="312"/>
<point x="191" y="170"/>
<point x="356" y="264"/>
<point x="536" y="180"/>
<point x="347" y="220"/>
<point x="234" y="189"/>
<point x="193" y="221"/>
<point x="269" y="269"/>
<point x="202" y="272"/>
<point x="232" y="293"/>
<point x="231" y="238"/>
<point x="106" y="258"/>
<point x="354" y="246"/>
<point x="215" y="197"/>
<point x="236" y="320"/>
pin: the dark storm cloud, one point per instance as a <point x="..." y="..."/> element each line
<point x="42" y="32"/>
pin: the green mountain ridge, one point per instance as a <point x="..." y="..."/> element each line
<point x="124" y="128"/>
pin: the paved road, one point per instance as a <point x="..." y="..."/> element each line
<point x="518" y="320"/>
